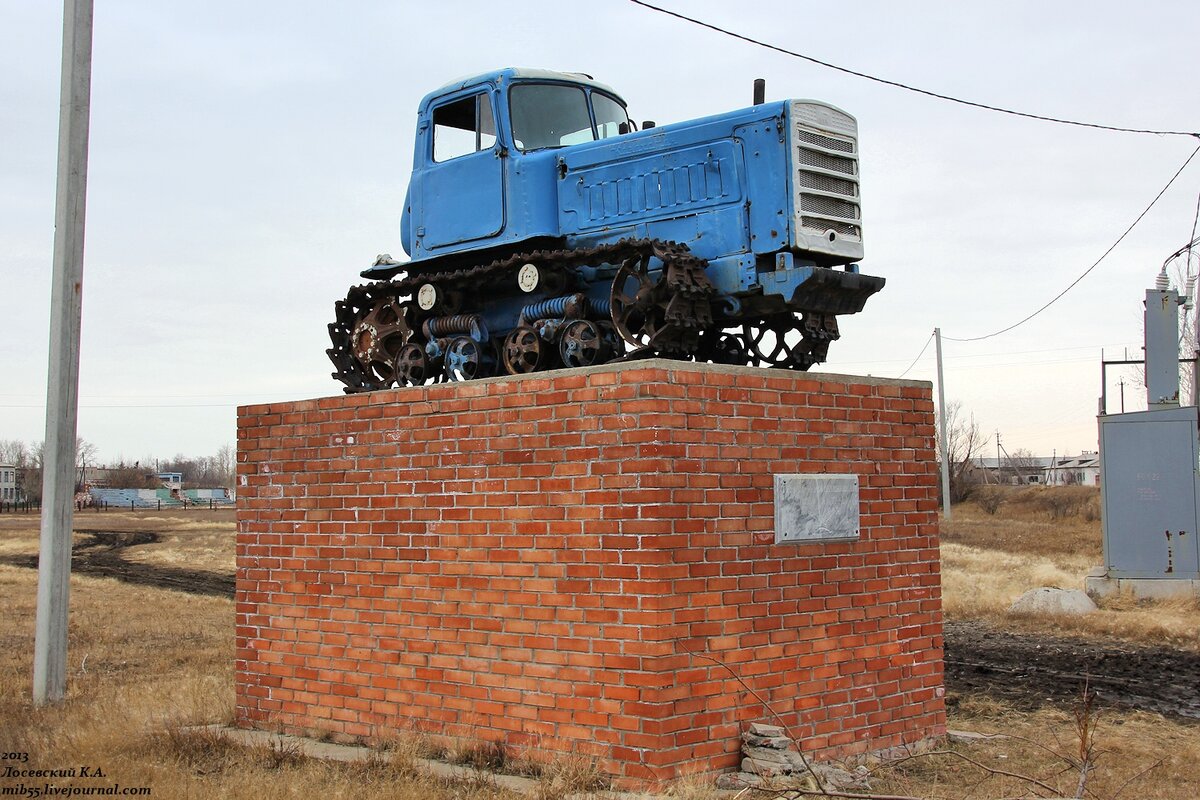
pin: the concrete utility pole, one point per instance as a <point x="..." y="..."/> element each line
<point x="62" y="390"/>
<point x="937" y="335"/>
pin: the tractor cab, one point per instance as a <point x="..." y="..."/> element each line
<point x="483" y="157"/>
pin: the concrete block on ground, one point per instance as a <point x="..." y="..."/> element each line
<point x="1051" y="600"/>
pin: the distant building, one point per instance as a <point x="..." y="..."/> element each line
<point x="1080" y="470"/>
<point x="1010" y="471"/>
<point x="171" y="480"/>
<point x="9" y="492"/>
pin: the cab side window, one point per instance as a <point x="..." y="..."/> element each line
<point x="463" y="127"/>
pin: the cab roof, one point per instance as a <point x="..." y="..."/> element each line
<point x="511" y="74"/>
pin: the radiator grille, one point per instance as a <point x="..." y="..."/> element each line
<point x="826" y="225"/>
<point x="830" y="206"/>
<point x="828" y="142"/>
<point x="827" y="183"/>
<point x="815" y="158"/>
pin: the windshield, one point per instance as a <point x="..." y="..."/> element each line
<point x="548" y="115"/>
<point x="610" y="116"/>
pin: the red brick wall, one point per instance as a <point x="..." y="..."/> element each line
<point x="553" y="561"/>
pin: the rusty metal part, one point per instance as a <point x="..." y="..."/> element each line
<point x="635" y="304"/>
<point x="525" y="351"/>
<point x="378" y="336"/>
<point x="666" y="312"/>
<point x="583" y="344"/>
<point x="470" y="324"/>
<point x="722" y="347"/>
<point x="412" y="365"/>
<point x="467" y="359"/>
<point x="669" y="317"/>
<point x="790" y="341"/>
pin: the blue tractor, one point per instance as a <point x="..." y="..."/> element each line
<point x="547" y="231"/>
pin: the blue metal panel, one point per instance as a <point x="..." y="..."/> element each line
<point x="460" y="200"/>
<point x="1148" y="462"/>
<point x="1162" y="347"/>
<point x="765" y="146"/>
<point x="670" y="184"/>
<point x="532" y="195"/>
<point x="691" y="182"/>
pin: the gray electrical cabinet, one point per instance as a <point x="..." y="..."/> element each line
<point x="1150" y="476"/>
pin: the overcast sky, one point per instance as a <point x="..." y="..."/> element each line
<point x="248" y="159"/>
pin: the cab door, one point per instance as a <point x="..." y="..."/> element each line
<point x="459" y="195"/>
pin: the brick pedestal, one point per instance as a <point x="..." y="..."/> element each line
<point x="584" y="561"/>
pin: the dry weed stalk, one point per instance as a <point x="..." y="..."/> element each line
<point x="1086" y="721"/>
<point x="763" y="702"/>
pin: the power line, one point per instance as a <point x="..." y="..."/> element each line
<point x="904" y="86"/>
<point x="1095" y="264"/>
<point x="1192" y="241"/>
<point x="918" y="358"/>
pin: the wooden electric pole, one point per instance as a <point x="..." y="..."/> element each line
<point x="62" y="389"/>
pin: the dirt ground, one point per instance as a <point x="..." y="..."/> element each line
<point x="107" y="554"/>
<point x="1033" y="670"/>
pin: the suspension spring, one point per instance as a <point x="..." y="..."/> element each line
<point x="470" y="324"/>
<point x="568" y="305"/>
<point x="600" y="306"/>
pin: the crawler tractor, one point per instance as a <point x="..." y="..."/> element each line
<point x="546" y="231"/>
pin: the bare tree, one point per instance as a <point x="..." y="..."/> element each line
<point x="13" y="451"/>
<point x="129" y="476"/>
<point x="964" y="443"/>
<point x="1021" y="464"/>
<point x="28" y="461"/>
<point x="85" y="454"/>
<point x="227" y="465"/>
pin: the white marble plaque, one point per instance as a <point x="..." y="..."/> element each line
<point x="816" y="508"/>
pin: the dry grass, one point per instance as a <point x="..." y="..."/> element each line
<point x="146" y="663"/>
<point x="989" y="560"/>
<point x="194" y="539"/>
<point x="1138" y="756"/>
<point x="1034" y="520"/>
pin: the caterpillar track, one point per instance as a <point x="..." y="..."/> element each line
<point x="431" y="326"/>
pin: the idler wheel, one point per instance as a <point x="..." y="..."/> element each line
<point x="609" y="333"/>
<point x="525" y="352"/>
<point x="583" y="344"/>
<point x="722" y="347"/>
<point x="412" y="365"/>
<point x="467" y="359"/>
<point x="377" y="337"/>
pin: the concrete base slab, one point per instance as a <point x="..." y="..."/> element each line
<point x="1100" y="586"/>
<point x="329" y="751"/>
